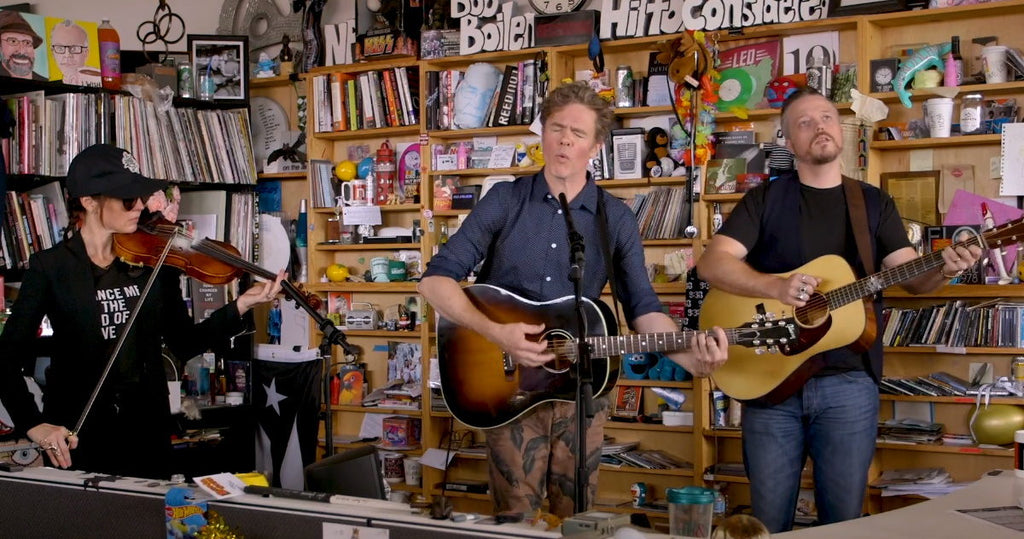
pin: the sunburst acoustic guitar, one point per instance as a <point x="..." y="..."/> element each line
<point x="836" y="315"/>
<point x="485" y="388"/>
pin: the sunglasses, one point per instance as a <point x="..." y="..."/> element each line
<point x="129" y="203"/>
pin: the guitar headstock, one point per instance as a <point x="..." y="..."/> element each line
<point x="764" y="335"/>
<point x="1005" y="234"/>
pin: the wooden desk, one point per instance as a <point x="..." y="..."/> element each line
<point x="935" y="518"/>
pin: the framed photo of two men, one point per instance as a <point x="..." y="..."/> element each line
<point x="41" y="48"/>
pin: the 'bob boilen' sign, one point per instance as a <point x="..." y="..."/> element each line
<point x="491" y="25"/>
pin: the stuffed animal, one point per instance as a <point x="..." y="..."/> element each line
<point x="657" y="149"/>
<point x="667" y="370"/>
<point x="781" y="87"/>
<point x="923" y="58"/>
<point x="687" y="59"/>
<point x="691" y="67"/>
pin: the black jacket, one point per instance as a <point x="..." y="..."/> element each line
<point x="59" y="283"/>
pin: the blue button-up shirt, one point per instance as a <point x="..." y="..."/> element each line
<point x="519" y="226"/>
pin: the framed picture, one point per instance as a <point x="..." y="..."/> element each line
<point x="842" y="8"/>
<point x="220" y="66"/>
<point x="627" y="401"/>
<point x="883" y="71"/>
<point x="916" y="194"/>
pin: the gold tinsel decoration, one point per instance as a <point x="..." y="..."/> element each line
<point x="217" y="528"/>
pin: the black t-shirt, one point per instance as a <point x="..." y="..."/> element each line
<point x="117" y="293"/>
<point x="824" y="229"/>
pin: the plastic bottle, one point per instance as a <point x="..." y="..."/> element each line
<point x="335" y="389"/>
<point x="949" y="73"/>
<point x="958" y="61"/>
<point x="443" y="238"/>
<point x="110" y="55"/>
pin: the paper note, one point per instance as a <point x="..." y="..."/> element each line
<point x="1012" y="165"/>
<point x="436" y="458"/>
<point x="222" y="485"/>
<point x="361" y="215"/>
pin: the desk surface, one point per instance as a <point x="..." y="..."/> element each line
<point x="35" y="495"/>
<point x="936" y="518"/>
<point x="932" y="519"/>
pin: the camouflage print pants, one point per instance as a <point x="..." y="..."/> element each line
<point x="534" y="457"/>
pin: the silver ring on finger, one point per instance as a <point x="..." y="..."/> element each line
<point x="803" y="289"/>
<point x="802" y="297"/>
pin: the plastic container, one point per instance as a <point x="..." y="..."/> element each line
<point x="110" y="55"/>
<point x="689" y="511"/>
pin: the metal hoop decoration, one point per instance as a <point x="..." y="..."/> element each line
<point x="160" y="28"/>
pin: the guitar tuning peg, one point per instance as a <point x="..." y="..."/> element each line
<point x="770" y="316"/>
<point x="773" y="350"/>
<point x="759" y="351"/>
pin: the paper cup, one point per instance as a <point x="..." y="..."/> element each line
<point x="993" y="59"/>
<point x="174" y="395"/>
<point x="939" y="114"/>
<point x="412" y="471"/>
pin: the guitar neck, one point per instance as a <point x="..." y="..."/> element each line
<point x="648" y="342"/>
<point x="877" y="282"/>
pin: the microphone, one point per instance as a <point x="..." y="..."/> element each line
<point x="576" y="246"/>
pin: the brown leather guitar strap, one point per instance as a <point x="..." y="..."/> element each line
<point x="859" y="222"/>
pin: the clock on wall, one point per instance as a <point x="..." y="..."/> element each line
<point x="555" y="7"/>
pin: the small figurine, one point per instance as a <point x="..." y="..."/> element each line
<point x="522" y="159"/>
<point x="265" y="67"/>
<point x="286" y="58"/>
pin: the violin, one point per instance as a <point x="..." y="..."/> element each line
<point x="210" y="261"/>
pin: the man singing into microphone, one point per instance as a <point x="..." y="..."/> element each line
<point x="521" y="234"/>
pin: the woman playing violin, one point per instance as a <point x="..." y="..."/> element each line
<point x="88" y="294"/>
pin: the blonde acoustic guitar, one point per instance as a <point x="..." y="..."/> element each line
<point x="836" y="315"/>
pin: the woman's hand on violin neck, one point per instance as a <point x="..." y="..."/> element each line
<point x="260" y="293"/>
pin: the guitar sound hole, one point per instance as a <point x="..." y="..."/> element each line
<point x="563" y="346"/>
<point x="814" y="313"/>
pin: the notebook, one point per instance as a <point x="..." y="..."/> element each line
<point x="1011" y="166"/>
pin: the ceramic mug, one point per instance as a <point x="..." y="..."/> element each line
<point x="379" y="269"/>
<point x="394" y="468"/>
<point x="353" y="192"/>
<point x="396" y="270"/>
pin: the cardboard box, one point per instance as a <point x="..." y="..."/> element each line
<point x="401" y="432"/>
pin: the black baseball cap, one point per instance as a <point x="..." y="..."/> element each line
<point x="104" y="169"/>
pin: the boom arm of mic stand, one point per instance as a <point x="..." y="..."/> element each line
<point x="326" y="327"/>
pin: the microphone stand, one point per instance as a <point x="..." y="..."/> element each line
<point x="331" y="336"/>
<point x="584" y="372"/>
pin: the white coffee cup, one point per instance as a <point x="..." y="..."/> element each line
<point x="993" y="58"/>
<point x="939" y="115"/>
<point x="174" y="395"/>
<point x="353" y="192"/>
<point x="413" y="470"/>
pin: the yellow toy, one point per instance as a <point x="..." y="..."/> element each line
<point x="536" y="154"/>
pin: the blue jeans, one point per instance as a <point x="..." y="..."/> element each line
<point x="832" y="419"/>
